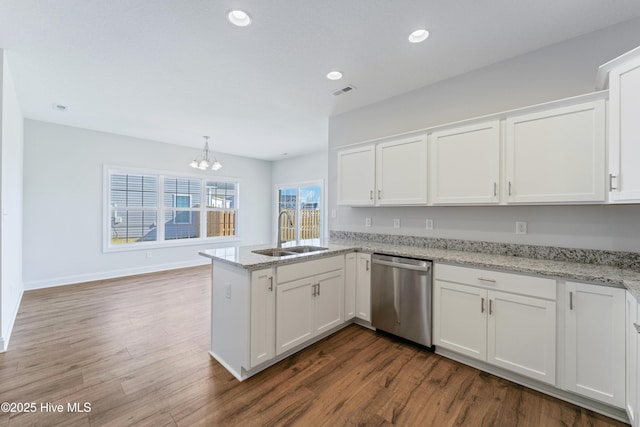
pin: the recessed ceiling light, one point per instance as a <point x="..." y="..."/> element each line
<point x="418" y="36"/>
<point x="334" y="75"/>
<point x="239" y="18"/>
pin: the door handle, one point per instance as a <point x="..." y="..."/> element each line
<point x="611" y="187"/>
<point x="370" y="194"/>
<point x="396" y="301"/>
<point x="490" y="307"/>
<point x="481" y="305"/>
<point x="482" y="279"/>
<point x="379" y="194"/>
<point x="495" y="189"/>
<point x="509" y="187"/>
<point x="271" y="283"/>
<point x="367" y="266"/>
<point x="318" y="285"/>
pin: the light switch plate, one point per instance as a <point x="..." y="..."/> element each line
<point x="396" y="222"/>
<point x="429" y="224"/>
<point x="367" y="222"/>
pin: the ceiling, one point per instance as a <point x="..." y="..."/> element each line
<point x="174" y="70"/>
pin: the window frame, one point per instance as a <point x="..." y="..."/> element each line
<point x="160" y="209"/>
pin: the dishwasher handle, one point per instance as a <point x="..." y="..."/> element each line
<point x="425" y="268"/>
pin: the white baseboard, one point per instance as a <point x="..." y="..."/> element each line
<point x="4" y="340"/>
<point x="81" y="278"/>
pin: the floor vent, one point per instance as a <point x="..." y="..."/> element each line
<point x="344" y="90"/>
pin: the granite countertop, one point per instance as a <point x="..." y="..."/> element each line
<point x="243" y="257"/>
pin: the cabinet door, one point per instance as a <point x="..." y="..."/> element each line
<point x="557" y="155"/>
<point x="465" y="165"/>
<point x="356" y="176"/>
<point x="350" y="278"/>
<point x="624" y="131"/>
<point x="329" y="302"/>
<point x="595" y="348"/>
<point x="294" y="313"/>
<point x="263" y="317"/>
<point x="401" y="167"/>
<point x="460" y="319"/>
<point x="522" y="335"/>
<point x="631" y="390"/>
<point x="363" y="287"/>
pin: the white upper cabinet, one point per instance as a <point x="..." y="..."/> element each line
<point x="557" y="155"/>
<point x="356" y="176"/>
<point x="624" y="129"/>
<point x="465" y="165"/>
<point x="391" y="173"/>
<point x="401" y="176"/>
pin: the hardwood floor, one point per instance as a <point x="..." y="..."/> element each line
<point x="136" y="349"/>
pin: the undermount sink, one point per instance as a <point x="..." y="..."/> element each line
<point x="295" y="250"/>
<point x="306" y="249"/>
<point x="275" y="252"/>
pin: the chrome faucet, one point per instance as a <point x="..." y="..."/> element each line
<point x="280" y="225"/>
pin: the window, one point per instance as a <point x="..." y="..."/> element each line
<point x="134" y="208"/>
<point x="137" y="201"/>
<point x="303" y="203"/>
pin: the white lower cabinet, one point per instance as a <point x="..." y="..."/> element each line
<point x="521" y="335"/>
<point x="308" y="306"/>
<point x="350" y="263"/>
<point x="515" y="332"/>
<point x="595" y="342"/>
<point x="263" y="316"/>
<point x="363" y="286"/>
<point x="631" y="377"/>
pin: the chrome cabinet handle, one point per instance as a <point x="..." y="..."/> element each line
<point x="484" y="279"/>
<point x="379" y="194"/>
<point x="490" y="307"/>
<point x="509" y="187"/>
<point x="318" y="285"/>
<point x="313" y="290"/>
<point x="495" y="189"/>
<point x="481" y="305"/>
<point x="370" y="194"/>
<point x="271" y="283"/>
<point x="570" y="300"/>
<point x="367" y="266"/>
<point x="611" y="187"/>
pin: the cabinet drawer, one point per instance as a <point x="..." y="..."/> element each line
<point x="287" y="273"/>
<point x="507" y="282"/>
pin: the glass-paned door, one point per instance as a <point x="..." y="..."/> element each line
<point x="303" y="203"/>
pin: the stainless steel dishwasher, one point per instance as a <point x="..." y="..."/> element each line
<point x="401" y="297"/>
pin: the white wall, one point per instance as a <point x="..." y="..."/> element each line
<point x="558" y="71"/>
<point x="63" y="203"/>
<point x="295" y="170"/>
<point x="11" y="192"/>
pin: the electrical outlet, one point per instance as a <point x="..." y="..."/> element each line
<point x="149" y="254"/>
<point x="333" y="213"/>
<point x="367" y="222"/>
<point x="227" y="290"/>
<point x="396" y="222"/>
<point x="521" y="227"/>
<point x="429" y="224"/>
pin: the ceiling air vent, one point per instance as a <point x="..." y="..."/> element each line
<point x="344" y="90"/>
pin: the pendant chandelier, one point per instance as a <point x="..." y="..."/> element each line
<point x="204" y="161"/>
